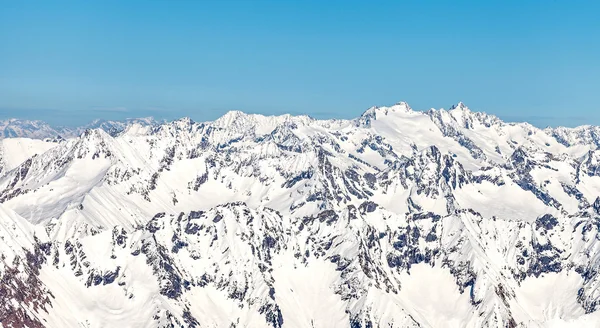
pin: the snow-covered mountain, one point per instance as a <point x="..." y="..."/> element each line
<point x="398" y="218"/>
<point x="35" y="129"/>
<point x="17" y="128"/>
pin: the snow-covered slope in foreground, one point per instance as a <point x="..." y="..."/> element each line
<point x="399" y="218"/>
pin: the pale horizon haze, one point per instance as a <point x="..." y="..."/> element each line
<point x="68" y="63"/>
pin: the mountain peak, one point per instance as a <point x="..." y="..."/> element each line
<point x="401" y="106"/>
<point x="231" y="117"/>
<point x="184" y="120"/>
<point x="376" y="112"/>
<point x="460" y="106"/>
<point x="233" y="114"/>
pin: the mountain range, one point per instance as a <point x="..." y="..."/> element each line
<point x="36" y="129"/>
<point x="398" y="218"/>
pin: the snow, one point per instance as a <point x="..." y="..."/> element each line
<point x="507" y="202"/>
<point x="52" y="199"/>
<point x="18" y="150"/>
<point x="551" y="297"/>
<point x="398" y="218"/>
<point x="433" y="297"/>
<point x="303" y="292"/>
<point x="218" y="310"/>
<point x="102" y="306"/>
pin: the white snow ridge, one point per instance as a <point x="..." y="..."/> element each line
<point x="399" y="218"/>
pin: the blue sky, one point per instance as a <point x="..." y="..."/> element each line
<point x="68" y="62"/>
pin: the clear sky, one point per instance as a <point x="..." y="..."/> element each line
<point x="68" y="62"/>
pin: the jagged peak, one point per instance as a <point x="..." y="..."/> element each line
<point x="183" y="120"/>
<point x="460" y="106"/>
<point x="524" y="156"/>
<point x="464" y="117"/>
<point x="181" y="124"/>
<point x="580" y="135"/>
<point x="401" y="106"/>
<point x="92" y="139"/>
<point x="371" y="112"/>
<point x="377" y="112"/>
<point x="234" y="113"/>
<point x="230" y="117"/>
<point x="586" y="128"/>
<point x="519" y="155"/>
<point x="94" y="133"/>
<point x="240" y="123"/>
